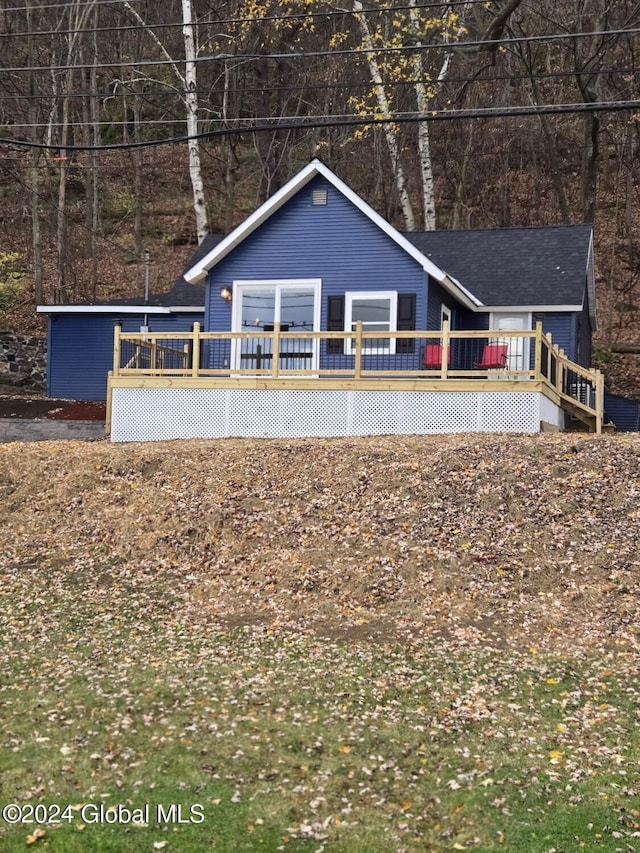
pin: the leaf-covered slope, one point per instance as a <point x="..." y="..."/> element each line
<point x="477" y="538"/>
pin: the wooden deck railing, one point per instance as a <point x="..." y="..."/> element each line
<point x="362" y="355"/>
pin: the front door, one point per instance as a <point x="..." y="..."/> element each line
<point x="259" y="305"/>
<point x="518" y="358"/>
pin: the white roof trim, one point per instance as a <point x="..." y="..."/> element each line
<point x="527" y="309"/>
<point x="104" y="309"/>
<point x="199" y="271"/>
<point x="591" y="284"/>
<point x="185" y="309"/>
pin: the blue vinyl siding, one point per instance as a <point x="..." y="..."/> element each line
<point x="335" y="242"/>
<point x="622" y="412"/>
<point x="80" y="349"/>
<point x="584" y="350"/>
<point x="563" y="327"/>
<point x="468" y="321"/>
<point x="437" y="297"/>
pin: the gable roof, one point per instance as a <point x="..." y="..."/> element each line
<point x="534" y="267"/>
<point x="199" y="269"/>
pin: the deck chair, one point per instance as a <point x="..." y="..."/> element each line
<point x="433" y="356"/>
<point x="494" y="356"/>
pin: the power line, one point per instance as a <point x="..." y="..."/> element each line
<point x="60" y="6"/>
<point x="273" y="126"/>
<point x="329" y="13"/>
<point x="313" y="87"/>
<point x="213" y="120"/>
<point x="249" y="20"/>
<point x="292" y="55"/>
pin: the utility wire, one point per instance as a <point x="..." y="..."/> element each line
<point x="291" y="55"/>
<point x="266" y="19"/>
<point x="248" y="20"/>
<point x="337" y="117"/>
<point x="355" y="121"/>
<point x="60" y="6"/>
<point x="171" y="91"/>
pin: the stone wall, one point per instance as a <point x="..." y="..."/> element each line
<point x="23" y="361"/>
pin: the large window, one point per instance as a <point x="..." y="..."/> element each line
<point x="377" y="310"/>
<point x="259" y="305"/>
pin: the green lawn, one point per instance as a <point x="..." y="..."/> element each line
<point x="272" y="740"/>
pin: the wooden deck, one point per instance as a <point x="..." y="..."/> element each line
<point x="360" y="362"/>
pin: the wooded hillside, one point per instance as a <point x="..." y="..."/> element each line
<point x="133" y="125"/>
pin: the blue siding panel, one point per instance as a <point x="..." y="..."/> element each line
<point x="336" y="243"/>
<point x="622" y="412"/>
<point x="584" y="346"/>
<point x="562" y="326"/>
<point x="438" y="296"/>
<point x="80" y="349"/>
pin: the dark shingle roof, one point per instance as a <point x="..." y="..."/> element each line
<point x="513" y="266"/>
<point x="504" y="266"/>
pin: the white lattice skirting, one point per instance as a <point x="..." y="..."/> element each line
<point x="158" y="414"/>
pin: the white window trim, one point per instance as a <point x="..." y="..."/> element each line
<point x="445" y="314"/>
<point x="238" y="284"/>
<point x="278" y="284"/>
<point x="392" y="296"/>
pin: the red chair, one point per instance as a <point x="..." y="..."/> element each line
<point x="494" y="357"/>
<point x="433" y="356"/>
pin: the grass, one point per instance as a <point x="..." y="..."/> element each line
<point x="346" y="723"/>
<point x="286" y="741"/>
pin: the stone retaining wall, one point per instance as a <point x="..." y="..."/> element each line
<point x="23" y="361"/>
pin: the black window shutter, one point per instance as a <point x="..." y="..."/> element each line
<point x="406" y="321"/>
<point x="335" y="322"/>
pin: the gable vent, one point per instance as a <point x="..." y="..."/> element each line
<point x="319" y="197"/>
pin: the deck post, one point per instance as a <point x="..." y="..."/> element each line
<point x="559" y="369"/>
<point x="275" y="349"/>
<point x="195" y="350"/>
<point x="107" y="424"/>
<point x="537" y="360"/>
<point x="117" y="329"/>
<point x="599" y="380"/>
<point x="358" y="361"/>
<point x="563" y="373"/>
<point x="445" y="348"/>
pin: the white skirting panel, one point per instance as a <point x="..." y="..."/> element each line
<point x="158" y="414"/>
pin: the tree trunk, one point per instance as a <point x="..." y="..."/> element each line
<point x="78" y="15"/>
<point x="93" y="160"/>
<point x="137" y="177"/>
<point x="389" y="130"/>
<point x="590" y="156"/>
<point x="36" y="244"/>
<point x="191" y="102"/>
<point x="424" y="144"/>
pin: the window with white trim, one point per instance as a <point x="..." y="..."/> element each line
<point x="377" y="310"/>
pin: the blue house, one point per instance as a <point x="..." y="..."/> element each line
<point x="317" y="256"/>
<point x="320" y="318"/>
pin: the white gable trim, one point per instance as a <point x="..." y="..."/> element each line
<point x="199" y="271"/>
<point x="106" y="309"/>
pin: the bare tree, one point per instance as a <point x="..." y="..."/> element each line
<point x="189" y="96"/>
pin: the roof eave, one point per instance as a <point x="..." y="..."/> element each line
<point x="103" y="309"/>
<point x="522" y="309"/>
